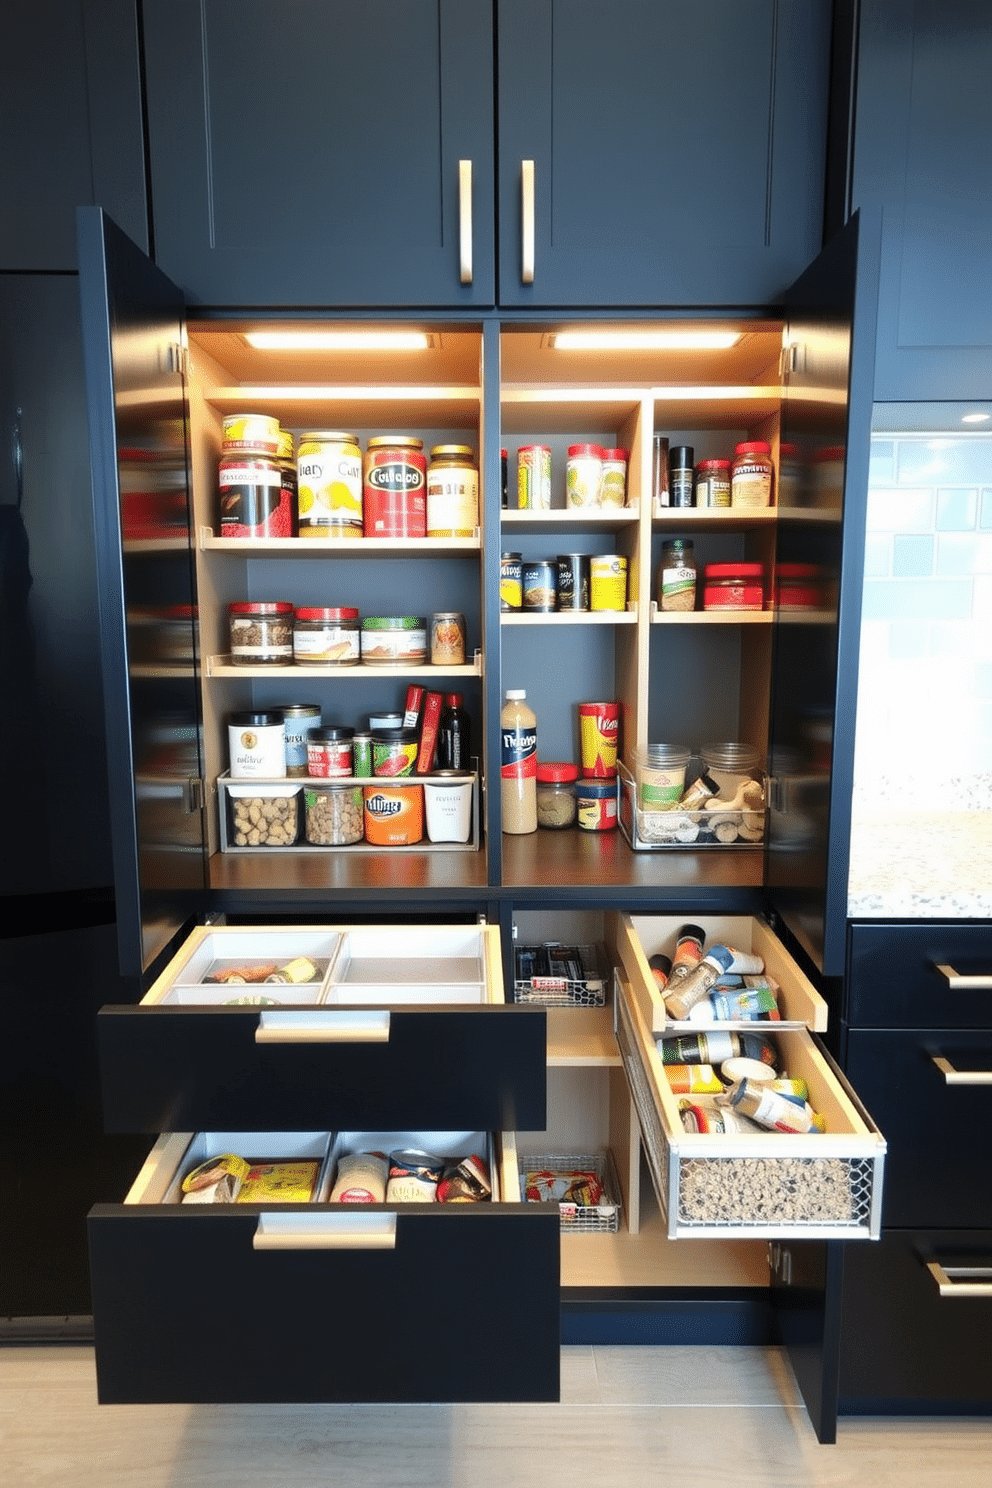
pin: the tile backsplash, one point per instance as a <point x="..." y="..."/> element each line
<point x="924" y="726"/>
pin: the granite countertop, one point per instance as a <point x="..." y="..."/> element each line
<point x="908" y="865"/>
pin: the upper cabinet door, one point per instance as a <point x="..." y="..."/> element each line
<point x="328" y="152"/>
<point x="921" y="152"/>
<point x="828" y="365"/>
<point x="678" y="149"/>
<point x="134" y="360"/>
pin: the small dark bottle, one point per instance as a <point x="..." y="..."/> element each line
<point x="453" y="735"/>
<point x="680" y="466"/>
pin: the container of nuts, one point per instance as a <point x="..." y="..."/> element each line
<point x="262" y="815"/>
<point x="334" y="815"/>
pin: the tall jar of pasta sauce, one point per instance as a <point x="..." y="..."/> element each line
<point x="395" y="487"/>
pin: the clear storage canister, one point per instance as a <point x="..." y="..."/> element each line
<point x="334" y="815"/>
<point x="325" y="636"/>
<point x="261" y="633"/>
<point x="556" y="794"/>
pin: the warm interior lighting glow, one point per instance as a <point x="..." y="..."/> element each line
<point x="589" y="340"/>
<point x="976" y="418"/>
<point x="338" y="340"/>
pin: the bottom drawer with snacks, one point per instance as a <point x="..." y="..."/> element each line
<point x="749" y="1127"/>
<point x="292" y="1266"/>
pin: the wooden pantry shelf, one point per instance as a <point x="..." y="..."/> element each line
<point x="338" y="547"/>
<point x="222" y="666"/>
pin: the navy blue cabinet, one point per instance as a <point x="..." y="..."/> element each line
<point x="677" y="150"/>
<point x="70" y="120"/>
<point x="312" y="154"/>
<point x="922" y="132"/>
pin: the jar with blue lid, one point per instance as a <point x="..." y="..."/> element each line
<point x="596" y="804"/>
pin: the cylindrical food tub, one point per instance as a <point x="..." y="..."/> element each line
<point x="334" y="815"/>
<point x="394" y="640"/>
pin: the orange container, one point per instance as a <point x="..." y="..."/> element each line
<point x="394" y="814"/>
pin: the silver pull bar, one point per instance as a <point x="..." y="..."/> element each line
<point x="960" y="1077"/>
<point x="527" y="221"/>
<point x="325" y="1232"/>
<point x="982" y="983"/>
<point x="961" y="1281"/>
<point x="323" y="1026"/>
<point x="465" y="220"/>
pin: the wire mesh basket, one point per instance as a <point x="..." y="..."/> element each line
<point x="585" y="1185"/>
<point x="556" y="975"/>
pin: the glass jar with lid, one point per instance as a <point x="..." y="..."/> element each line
<point x="556" y="805"/>
<point x="452" y="491"/>
<point x="677" y="576"/>
<point x="261" y="633"/>
<point x="324" y="635"/>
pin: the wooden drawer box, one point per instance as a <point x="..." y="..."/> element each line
<point x="822" y="1185"/>
<point x="405" y="1024"/>
<point x="324" y="1302"/>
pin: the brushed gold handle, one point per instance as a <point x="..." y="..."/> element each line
<point x="961" y="1281"/>
<point x="323" y="1026"/>
<point x="465" y="220"/>
<point x="954" y="979"/>
<point x="960" y="1077"/>
<point x="527" y="221"/>
<point x="281" y="1231"/>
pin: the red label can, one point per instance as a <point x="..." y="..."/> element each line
<point x="254" y="502"/>
<point x="395" y="487"/>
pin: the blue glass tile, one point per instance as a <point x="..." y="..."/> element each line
<point x="878" y="556"/>
<point x="956" y="510"/>
<point x="964" y="553"/>
<point x="908" y="599"/>
<point x="893" y="510"/>
<point x="944" y="461"/>
<point x="912" y="557"/>
<point x="881" y="462"/>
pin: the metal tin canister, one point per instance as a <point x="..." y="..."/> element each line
<point x="540" y="584"/>
<point x="413" y="1177"/>
<point x="251" y="431"/>
<point x="511" y="594"/>
<point x="394" y="640"/>
<point x="608" y="582"/>
<point x="573" y="581"/>
<point x="394" y="814"/>
<point x="257" y="745"/>
<point x="452" y="491"/>
<point x="533" y="477"/>
<point x="329" y="484"/>
<point x="394" y="751"/>
<point x="253" y="500"/>
<point x="395" y="490"/>
<point x="298" y="718"/>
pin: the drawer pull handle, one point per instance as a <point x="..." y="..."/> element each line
<point x="465" y="220"/>
<point x="527" y="221"/>
<point x="961" y="1281"/>
<point x="323" y="1027"/>
<point x="960" y="1077"/>
<point x="325" y="1232"/>
<point x="960" y="983"/>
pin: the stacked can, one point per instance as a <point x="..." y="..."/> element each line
<point x="255" y="497"/>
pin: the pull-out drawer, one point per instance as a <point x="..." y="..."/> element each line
<point x="322" y="1301"/>
<point x="820" y="1185"/>
<point x="929" y="1089"/>
<point x="397" y="1024"/>
<point x="926" y="975"/>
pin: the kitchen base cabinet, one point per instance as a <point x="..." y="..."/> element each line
<point x="916" y="1318"/>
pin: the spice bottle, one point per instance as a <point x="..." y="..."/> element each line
<point x="681" y="475"/>
<point x="677" y="575"/>
<point x="752" y="475"/>
<point x="518" y="763"/>
<point x="453" y="737"/>
<point x="713" y="483"/>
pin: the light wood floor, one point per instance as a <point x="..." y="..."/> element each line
<point x="629" y="1416"/>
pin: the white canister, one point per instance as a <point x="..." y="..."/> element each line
<point x="256" y="746"/>
<point x="448" y="806"/>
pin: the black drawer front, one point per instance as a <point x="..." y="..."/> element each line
<point x="187" y="1069"/>
<point x="905" y="1349"/>
<point x="893" y="981"/>
<point x="464" y="1308"/>
<point x="938" y="1168"/>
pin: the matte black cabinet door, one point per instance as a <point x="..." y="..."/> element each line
<point x="70" y="120"/>
<point x="308" y="154"/>
<point x="923" y="125"/>
<point x="678" y="149"/>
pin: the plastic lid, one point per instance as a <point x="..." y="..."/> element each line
<point x="440" y="450"/>
<point x="753" y="447"/>
<point x="454" y="699"/>
<point x="713" y="465"/>
<point x="329" y="734"/>
<point x="325" y="612"/>
<point x="513" y="693"/>
<point x="392" y="735"/>
<point x="587" y="449"/>
<point x="797" y="571"/>
<point x="558" y="770"/>
<point x="616" y="454"/>
<point x="733" y="571"/>
<point x="328" y="436"/>
<point x="680" y="455"/>
<point x="254" y="720"/>
<point x="401" y="441"/>
<point x="246" y="607"/>
<point x="599" y="789"/>
<point x="394" y="622"/>
<point x="505" y="454"/>
<point x="730" y="756"/>
<point x="663" y="754"/>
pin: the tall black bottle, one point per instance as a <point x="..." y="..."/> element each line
<point x="454" y="749"/>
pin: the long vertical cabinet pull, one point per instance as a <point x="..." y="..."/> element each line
<point x="465" y="220"/>
<point x="527" y="221"/>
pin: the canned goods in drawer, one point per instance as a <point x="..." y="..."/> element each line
<point x="263" y="1302"/>
<point x="822" y="1185"/>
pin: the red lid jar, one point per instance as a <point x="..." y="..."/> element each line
<point x="733" y="586"/>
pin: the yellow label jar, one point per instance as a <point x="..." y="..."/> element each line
<point x="452" y="491"/>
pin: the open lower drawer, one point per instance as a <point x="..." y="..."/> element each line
<point x="820" y="1185"/>
<point x="320" y="1301"/>
<point x="391" y="1024"/>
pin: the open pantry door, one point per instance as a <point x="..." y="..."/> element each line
<point x="134" y="356"/>
<point x="828" y="371"/>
